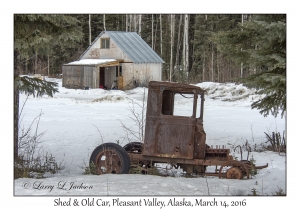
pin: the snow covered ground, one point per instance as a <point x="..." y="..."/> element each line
<point x="72" y="120"/>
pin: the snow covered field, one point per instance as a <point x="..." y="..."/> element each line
<point x="72" y="120"/>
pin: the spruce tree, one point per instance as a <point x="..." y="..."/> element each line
<point x="38" y="35"/>
<point x="260" y="44"/>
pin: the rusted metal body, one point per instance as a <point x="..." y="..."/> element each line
<point x="167" y="135"/>
<point x="172" y="138"/>
<point x="181" y="140"/>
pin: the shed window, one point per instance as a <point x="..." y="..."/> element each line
<point x="105" y="43"/>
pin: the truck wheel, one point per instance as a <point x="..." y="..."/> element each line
<point x="137" y="148"/>
<point x="134" y="147"/>
<point x="110" y="158"/>
<point x="234" y="173"/>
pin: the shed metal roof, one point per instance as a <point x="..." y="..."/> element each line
<point x="133" y="46"/>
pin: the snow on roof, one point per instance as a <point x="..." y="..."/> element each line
<point x="92" y="62"/>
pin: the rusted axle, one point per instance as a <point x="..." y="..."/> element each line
<point x="261" y="167"/>
<point x="244" y="166"/>
<point x="208" y="162"/>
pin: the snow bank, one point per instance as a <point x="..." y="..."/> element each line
<point x="76" y="121"/>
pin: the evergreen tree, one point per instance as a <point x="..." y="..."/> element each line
<point x="38" y="35"/>
<point x="260" y="45"/>
<point x="205" y="27"/>
<point x="201" y="47"/>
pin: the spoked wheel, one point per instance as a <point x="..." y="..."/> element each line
<point x="234" y="173"/>
<point x="110" y="158"/>
<point x="238" y="169"/>
<point x="138" y="166"/>
<point x="134" y="147"/>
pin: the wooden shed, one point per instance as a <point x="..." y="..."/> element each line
<point x="115" y="59"/>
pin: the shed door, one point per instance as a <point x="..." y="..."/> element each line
<point x="102" y="77"/>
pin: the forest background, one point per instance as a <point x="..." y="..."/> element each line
<point x="193" y="46"/>
<point x="247" y="48"/>
<point x="38" y="62"/>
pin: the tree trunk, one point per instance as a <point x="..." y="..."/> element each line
<point x="218" y="65"/>
<point x="126" y="23"/>
<point x="242" y="49"/>
<point x="134" y="21"/>
<point x="48" y="65"/>
<point x="161" y="44"/>
<point x="204" y="55"/>
<point x="16" y="106"/>
<point x="172" y="44"/>
<point x="203" y="67"/>
<point x="178" y="44"/>
<point x="242" y="70"/>
<point x="104" y="22"/>
<point x="212" y="66"/>
<point x="186" y="45"/>
<point x="26" y="66"/>
<point x="140" y="25"/>
<point x="90" y="31"/>
<point x="35" y="63"/>
<point x="183" y="51"/>
<point x="130" y="22"/>
<point x="152" y="31"/>
<point x="155" y="32"/>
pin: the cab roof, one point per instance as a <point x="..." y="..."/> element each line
<point x="175" y="86"/>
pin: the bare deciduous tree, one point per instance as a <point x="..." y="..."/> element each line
<point x="104" y="22"/>
<point x="160" y="22"/>
<point x="140" y="24"/>
<point x="136" y="133"/>
<point x="152" y="31"/>
<point x="176" y="67"/>
<point x="90" y="30"/>
<point x="172" y="31"/>
<point x="186" y="45"/>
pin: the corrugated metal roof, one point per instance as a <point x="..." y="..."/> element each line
<point x="133" y="46"/>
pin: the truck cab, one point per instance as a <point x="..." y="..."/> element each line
<point x="169" y="132"/>
<point x="172" y="136"/>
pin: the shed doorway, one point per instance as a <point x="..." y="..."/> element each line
<point x="102" y="78"/>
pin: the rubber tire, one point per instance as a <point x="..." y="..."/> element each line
<point x="134" y="146"/>
<point x="124" y="157"/>
<point x="137" y="148"/>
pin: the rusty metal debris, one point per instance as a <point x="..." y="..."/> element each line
<point x="180" y="140"/>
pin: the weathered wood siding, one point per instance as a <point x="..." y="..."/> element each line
<point x="78" y="77"/>
<point x="113" y="52"/>
<point x="93" y="52"/>
<point x="139" y="74"/>
<point x="73" y="76"/>
<point x="91" y="77"/>
<point x="134" y="74"/>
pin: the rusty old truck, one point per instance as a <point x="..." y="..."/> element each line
<point x="172" y="139"/>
